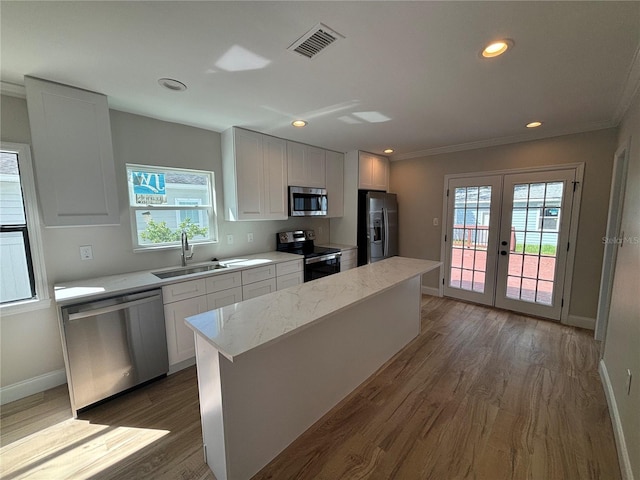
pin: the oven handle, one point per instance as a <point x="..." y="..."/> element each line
<point x="323" y="258"/>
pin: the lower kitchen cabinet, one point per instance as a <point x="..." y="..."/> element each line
<point x="289" y="280"/>
<point x="257" y="289"/>
<point x="349" y="259"/>
<point x="180" y="343"/>
<point x="224" y="298"/>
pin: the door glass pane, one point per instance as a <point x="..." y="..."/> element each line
<point x="535" y="222"/>
<point x="471" y="217"/>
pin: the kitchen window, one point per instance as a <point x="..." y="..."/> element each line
<point x="22" y="274"/>
<point x="164" y="202"/>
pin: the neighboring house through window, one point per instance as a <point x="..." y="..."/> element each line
<point x="22" y="273"/>
<point x="164" y="202"/>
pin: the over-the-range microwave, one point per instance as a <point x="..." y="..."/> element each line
<point x="307" y="202"/>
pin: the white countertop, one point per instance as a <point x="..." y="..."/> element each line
<point x="101" y="287"/>
<point x="241" y="327"/>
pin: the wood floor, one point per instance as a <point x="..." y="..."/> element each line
<point x="480" y="394"/>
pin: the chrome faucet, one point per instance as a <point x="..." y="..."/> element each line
<point x="185" y="249"/>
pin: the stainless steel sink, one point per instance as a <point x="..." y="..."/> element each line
<point x="188" y="270"/>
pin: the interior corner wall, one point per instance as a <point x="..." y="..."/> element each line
<point x="622" y="341"/>
<point x="419" y="183"/>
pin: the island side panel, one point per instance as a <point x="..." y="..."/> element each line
<point x="272" y="394"/>
<point x="209" y="390"/>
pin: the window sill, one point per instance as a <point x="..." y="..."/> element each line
<point x="25" y="306"/>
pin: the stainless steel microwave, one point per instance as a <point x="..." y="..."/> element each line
<point x="307" y="202"/>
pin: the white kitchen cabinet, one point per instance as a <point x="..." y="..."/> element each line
<point x="257" y="274"/>
<point x="335" y="183"/>
<point x="258" y="289"/>
<point x="254" y="171"/>
<point x="289" y="280"/>
<point x="216" y="283"/>
<point x="305" y="165"/>
<point x="373" y="172"/>
<point x="224" y="297"/>
<point x="349" y="259"/>
<point x="180" y="343"/>
<point x="289" y="274"/>
<point x="183" y="290"/>
<point x="73" y="154"/>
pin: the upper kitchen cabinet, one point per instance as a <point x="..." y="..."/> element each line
<point x="306" y="165"/>
<point x="73" y="154"/>
<point x="254" y="171"/>
<point x="373" y="172"/>
<point x="335" y="183"/>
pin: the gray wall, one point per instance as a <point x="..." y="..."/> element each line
<point x="30" y="342"/>
<point x="622" y="341"/>
<point x="419" y="183"/>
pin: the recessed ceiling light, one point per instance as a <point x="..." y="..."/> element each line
<point x="171" y="84"/>
<point x="497" y="48"/>
<point x="534" y="124"/>
<point x="299" y="123"/>
<point x="389" y="150"/>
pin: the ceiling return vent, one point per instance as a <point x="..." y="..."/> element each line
<point x="315" y="41"/>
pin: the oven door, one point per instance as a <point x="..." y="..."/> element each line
<point x="318" y="267"/>
<point x="307" y="202"/>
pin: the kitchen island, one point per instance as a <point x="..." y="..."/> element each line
<point x="269" y="367"/>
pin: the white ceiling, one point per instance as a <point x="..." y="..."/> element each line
<point x="574" y="66"/>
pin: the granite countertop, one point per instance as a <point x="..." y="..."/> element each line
<point x="94" y="288"/>
<point x="244" y="326"/>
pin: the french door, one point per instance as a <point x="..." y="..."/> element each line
<point x="507" y="240"/>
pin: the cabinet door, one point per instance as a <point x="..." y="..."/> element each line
<point x="249" y="174"/>
<point x="289" y="280"/>
<point x="224" y="297"/>
<point x="259" y="288"/>
<point x="295" y="164"/>
<point x="180" y="343"/>
<point x="225" y="281"/>
<point x="73" y="155"/>
<point x="275" y="178"/>
<point x="315" y="169"/>
<point x="335" y="183"/>
<point x="183" y="290"/>
<point x="257" y="274"/>
<point x="365" y="171"/>
<point x="380" y="173"/>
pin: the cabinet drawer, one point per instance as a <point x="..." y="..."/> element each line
<point x="183" y="290"/>
<point x="289" y="280"/>
<point x="348" y="255"/>
<point x="348" y="265"/>
<point x="258" y="288"/>
<point x="286" y="268"/>
<point x="217" y="283"/>
<point x="258" y="274"/>
<point x="223" y="298"/>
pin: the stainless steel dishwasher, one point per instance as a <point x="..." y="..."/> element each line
<point x="112" y="345"/>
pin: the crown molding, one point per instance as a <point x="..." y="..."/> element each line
<point x="494" y="142"/>
<point x="631" y="88"/>
<point x="12" y="90"/>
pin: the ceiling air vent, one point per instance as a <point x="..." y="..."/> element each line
<point x="314" y="41"/>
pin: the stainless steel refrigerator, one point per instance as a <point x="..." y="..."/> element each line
<point x="377" y="226"/>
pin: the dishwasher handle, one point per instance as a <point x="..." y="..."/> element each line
<point x="92" y="312"/>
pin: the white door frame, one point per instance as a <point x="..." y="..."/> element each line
<point x="573" y="228"/>
<point x="614" y="221"/>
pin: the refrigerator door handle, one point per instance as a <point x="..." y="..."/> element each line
<point x="385" y="234"/>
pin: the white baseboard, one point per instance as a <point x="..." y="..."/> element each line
<point x="176" y="367"/>
<point x="621" y="444"/>
<point x="31" y="386"/>
<point x="431" y="291"/>
<point x="581" y="322"/>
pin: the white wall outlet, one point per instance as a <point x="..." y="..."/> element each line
<point x="229" y="239"/>
<point x="86" y="252"/>
<point x="436" y="221"/>
<point x="249" y="237"/>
